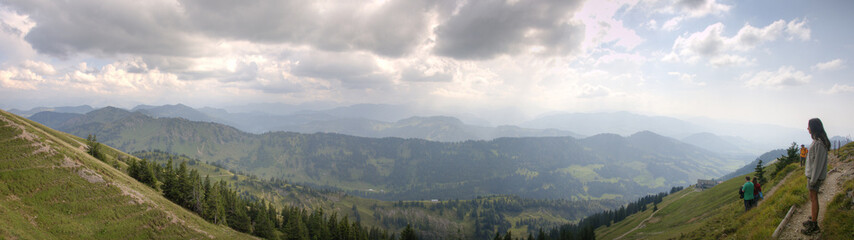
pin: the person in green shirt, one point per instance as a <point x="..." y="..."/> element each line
<point x="748" y="194"/>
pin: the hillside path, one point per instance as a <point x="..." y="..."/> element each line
<point x="642" y="223"/>
<point x="831" y="186"/>
<point x="774" y="189"/>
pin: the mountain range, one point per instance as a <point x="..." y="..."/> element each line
<point x="600" y="166"/>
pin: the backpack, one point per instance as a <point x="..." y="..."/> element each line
<point x="740" y="193"/>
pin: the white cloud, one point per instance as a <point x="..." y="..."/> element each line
<point x="829" y="65"/>
<point x="720" y="50"/>
<point x="687" y="78"/>
<point x="839" y="88"/>
<point x="783" y="77"/>
<point x="123" y="77"/>
<point x="798" y="29"/>
<point x="687" y="9"/>
<point x="601" y="26"/>
<point x="40" y="68"/>
<point x="20" y="78"/>
<point x="594" y="91"/>
<point x="730" y="60"/>
<point x="671" y="24"/>
<point x="701" y="8"/>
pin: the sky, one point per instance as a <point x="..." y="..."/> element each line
<point x="778" y="62"/>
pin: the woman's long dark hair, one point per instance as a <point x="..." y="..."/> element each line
<point x="818" y="133"/>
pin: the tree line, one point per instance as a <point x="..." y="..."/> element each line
<point x="219" y="204"/>
<point x="584" y="229"/>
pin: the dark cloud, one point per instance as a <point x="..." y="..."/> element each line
<point x="392" y="29"/>
<point x="106" y="27"/>
<point x="167" y="28"/>
<point x="692" y="4"/>
<point x="486" y="29"/>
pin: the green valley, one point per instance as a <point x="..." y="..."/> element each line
<point x="412" y="169"/>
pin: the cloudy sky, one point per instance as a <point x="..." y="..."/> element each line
<point x="766" y="61"/>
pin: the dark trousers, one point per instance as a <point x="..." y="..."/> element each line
<point x="748" y="204"/>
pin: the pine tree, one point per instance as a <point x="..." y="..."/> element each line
<point x="263" y="226"/>
<point x="760" y="173"/>
<point x="93" y="147"/>
<point x="409" y="234"/>
<point x="195" y="198"/>
<point x="182" y="185"/>
<point x="296" y="229"/>
<point x="170" y="182"/>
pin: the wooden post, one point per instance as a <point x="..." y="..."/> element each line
<point x="783" y="223"/>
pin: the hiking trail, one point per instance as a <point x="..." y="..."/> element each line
<point x="774" y="189"/>
<point x="642" y="223"/>
<point x="840" y="172"/>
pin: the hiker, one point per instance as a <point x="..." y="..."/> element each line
<point x="803" y="154"/>
<point x="748" y="194"/>
<point x="816" y="170"/>
<point x="757" y="191"/>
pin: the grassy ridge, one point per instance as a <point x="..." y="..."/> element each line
<point x="714" y="213"/>
<point x="50" y="189"/>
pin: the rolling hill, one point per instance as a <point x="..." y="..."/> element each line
<point x="50" y="188"/>
<point x="602" y="166"/>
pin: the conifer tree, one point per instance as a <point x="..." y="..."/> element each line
<point x="409" y="234"/>
<point x="760" y="173"/>
<point x="195" y="198"/>
<point x="182" y="185"/>
<point x="93" y="147"/>
<point x="296" y="229"/>
<point x="169" y="182"/>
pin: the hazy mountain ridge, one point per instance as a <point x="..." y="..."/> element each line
<point x="545" y="167"/>
<point x="67" y="109"/>
<point x="766" y="158"/>
<point x="752" y="138"/>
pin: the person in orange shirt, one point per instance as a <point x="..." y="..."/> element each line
<point x="803" y="154"/>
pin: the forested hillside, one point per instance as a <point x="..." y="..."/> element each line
<point x="602" y="166"/>
<point x="441" y="219"/>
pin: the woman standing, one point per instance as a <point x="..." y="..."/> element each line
<point x="816" y="170"/>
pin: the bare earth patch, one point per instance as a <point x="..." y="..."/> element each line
<point x="13" y="197"/>
<point x="90" y="176"/>
<point x="67" y="162"/>
<point x="137" y="197"/>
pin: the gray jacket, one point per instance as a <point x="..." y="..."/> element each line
<point x="816" y="165"/>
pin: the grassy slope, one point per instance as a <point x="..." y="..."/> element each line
<point x="839" y="219"/>
<point x="44" y="195"/>
<point x="714" y="213"/>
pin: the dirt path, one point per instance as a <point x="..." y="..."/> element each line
<point x="642" y="223"/>
<point x="832" y="185"/>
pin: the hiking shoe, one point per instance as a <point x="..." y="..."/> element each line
<point x="811" y="229"/>
<point x="808" y="221"/>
